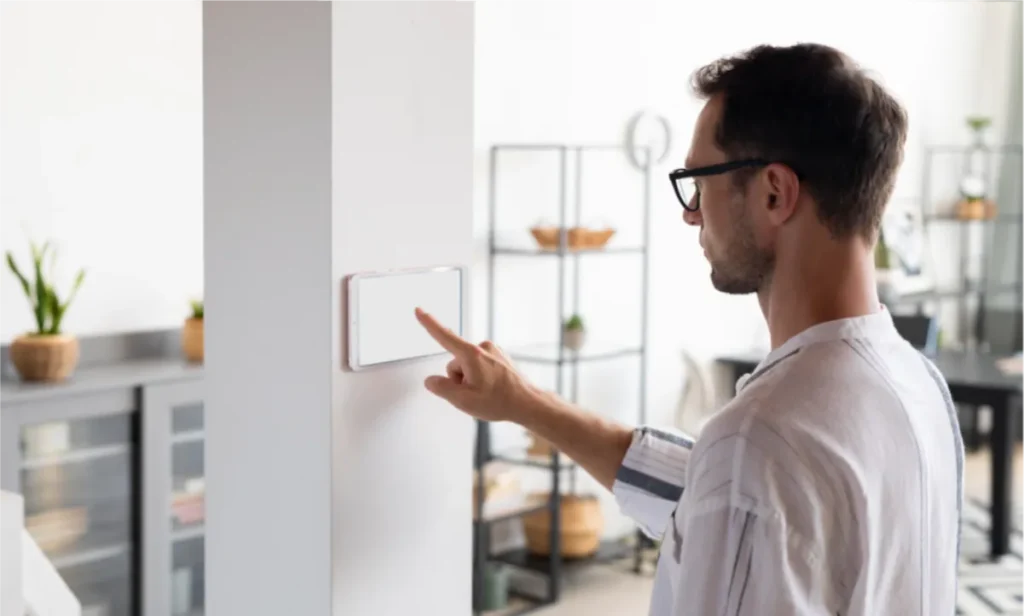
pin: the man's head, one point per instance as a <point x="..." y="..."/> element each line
<point x="823" y="143"/>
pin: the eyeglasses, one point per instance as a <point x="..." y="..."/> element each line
<point x="685" y="185"/>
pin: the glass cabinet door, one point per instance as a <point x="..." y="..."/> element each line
<point x="77" y="479"/>
<point x="187" y="510"/>
<point x="174" y="489"/>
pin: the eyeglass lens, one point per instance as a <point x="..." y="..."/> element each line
<point x="686" y="190"/>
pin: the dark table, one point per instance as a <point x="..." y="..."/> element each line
<point x="975" y="380"/>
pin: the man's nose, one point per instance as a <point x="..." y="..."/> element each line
<point x="694" y="219"/>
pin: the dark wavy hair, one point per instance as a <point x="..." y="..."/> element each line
<point x="811" y="107"/>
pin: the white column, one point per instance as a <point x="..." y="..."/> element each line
<point x="338" y="138"/>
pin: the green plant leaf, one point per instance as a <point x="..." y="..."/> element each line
<point x="197" y="308"/>
<point x="978" y="122"/>
<point x="61" y="308"/>
<point x="21" y="277"/>
<point x="574" y="322"/>
<point x="74" y="287"/>
<point x="56" y="311"/>
<point x="46" y="304"/>
<point x="43" y="308"/>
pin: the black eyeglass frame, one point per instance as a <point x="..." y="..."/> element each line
<point x="682" y="174"/>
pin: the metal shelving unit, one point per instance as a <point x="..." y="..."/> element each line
<point x="565" y="363"/>
<point x="972" y="294"/>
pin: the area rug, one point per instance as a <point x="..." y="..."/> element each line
<point x="988" y="587"/>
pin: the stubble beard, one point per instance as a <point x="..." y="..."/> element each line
<point x="746" y="267"/>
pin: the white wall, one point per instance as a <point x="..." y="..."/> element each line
<point x="344" y="146"/>
<point x="269" y="327"/>
<point x="403" y="197"/>
<point x="576" y="72"/>
<point x="101" y="117"/>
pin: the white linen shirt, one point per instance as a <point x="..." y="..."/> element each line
<point x="831" y="484"/>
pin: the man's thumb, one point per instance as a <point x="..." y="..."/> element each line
<point x="442" y="387"/>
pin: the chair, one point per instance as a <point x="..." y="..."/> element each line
<point x="922" y="331"/>
<point x="697" y="400"/>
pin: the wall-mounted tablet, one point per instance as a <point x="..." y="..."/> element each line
<point x="382" y="326"/>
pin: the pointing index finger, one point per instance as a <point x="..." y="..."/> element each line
<point x="448" y="339"/>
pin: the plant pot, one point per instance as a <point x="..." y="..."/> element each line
<point x="573" y="339"/>
<point x="581" y="526"/>
<point x="44" y="357"/>
<point x="975" y="209"/>
<point x="192" y="339"/>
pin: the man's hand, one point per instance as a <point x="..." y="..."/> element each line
<point x="481" y="380"/>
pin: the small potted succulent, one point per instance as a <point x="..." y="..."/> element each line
<point x="974" y="203"/>
<point x="47" y="353"/>
<point x="574" y="334"/>
<point x="192" y="333"/>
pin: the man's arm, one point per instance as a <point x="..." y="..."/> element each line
<point x="644" y="468"/>
<point x="595" y="443"/>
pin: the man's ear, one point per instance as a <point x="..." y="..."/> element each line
<point x="783" y="190"/>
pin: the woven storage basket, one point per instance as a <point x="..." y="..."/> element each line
<point x="577" y="238"/>
<point x="977" y="209"/>
<point x="581" y="526"/>
<point x="44" y="358"/>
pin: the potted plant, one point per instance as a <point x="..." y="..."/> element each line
<point x="45" y="354"/>
<point x="574" y="334"/>
<point x="974" y="203"/>
<point x="192" y="333"/>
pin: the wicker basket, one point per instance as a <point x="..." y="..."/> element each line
<point x="192" y="339"/>
<point x="45" y="357"/>
<point x="539" y="447"/>
<point x="975" y="209"/>
<point x="577" y="238"/>
<point x="581" y="526"/>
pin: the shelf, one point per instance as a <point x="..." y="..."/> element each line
<point x="522" y="458"/>
<point x="1001" y="218"/>
<point x="75" y="456"/>
<point x="523" y="559"/>
<point x="539" y="252"/>
<point x="552" y="353"/>
<point x="192" y="436"/>
<point x="184" y="533"/>
<point x="958" y="293"/>
<point x="517" y="606"/>
<point x="87" y="556"/>
<point x="515" y="511"/>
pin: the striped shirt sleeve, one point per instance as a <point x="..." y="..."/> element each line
<point x="650" y="481"/>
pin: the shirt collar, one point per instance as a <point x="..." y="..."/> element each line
<point x="875" y="326"/>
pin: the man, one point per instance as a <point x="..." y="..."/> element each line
<point x="831" y="483"/>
